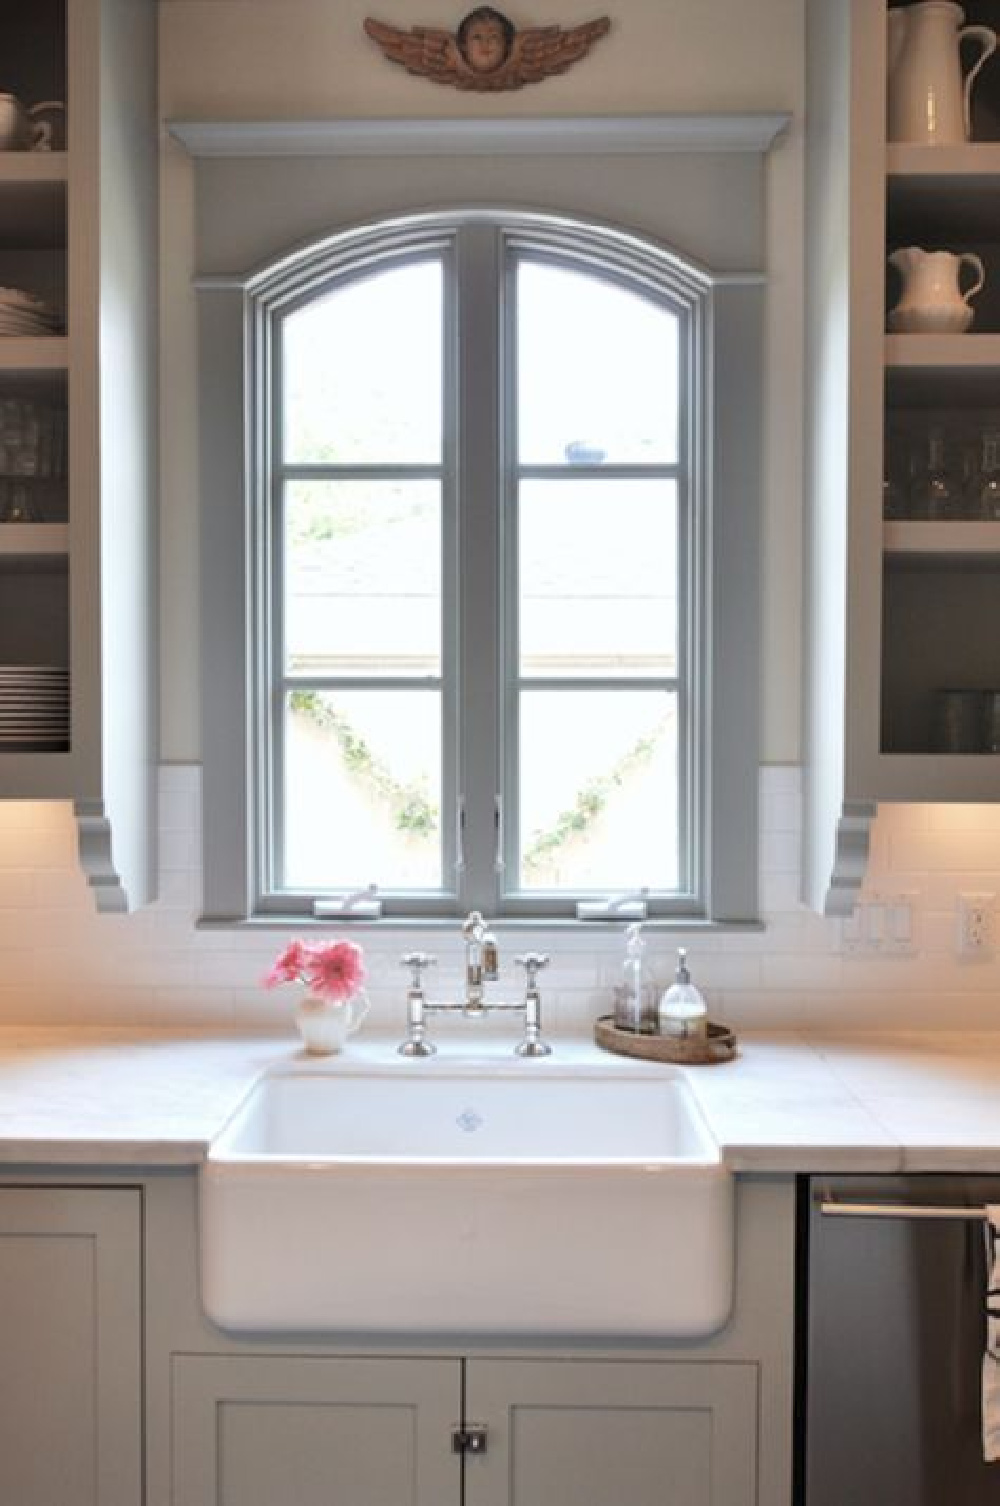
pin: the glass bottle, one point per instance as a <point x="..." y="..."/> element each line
<point x="989" y="475"/>
<point x="937" y="490"/>
<point x="628" y="1002"/>
<point x="894" y="499"/>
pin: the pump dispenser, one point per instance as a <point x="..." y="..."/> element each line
<point x="683" y="1011"/>
<point x="628" y="1006"/>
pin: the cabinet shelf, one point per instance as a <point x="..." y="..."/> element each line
<point x="975" y="543"/>
<point x="943" y="354"/>
<point x="33" y="167"/>
<point x="33" y="199"/>
<point x="33" y="541"/>
<point x="36" y="353"/>
<point x="931" y="187"/>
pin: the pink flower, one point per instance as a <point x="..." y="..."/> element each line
<point x="289" y="966"/>
<point x="335" y="971"/>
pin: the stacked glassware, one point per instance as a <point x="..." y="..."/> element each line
<point x="943" y="471"/>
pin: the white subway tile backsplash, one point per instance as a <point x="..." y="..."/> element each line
<point x="179" y="850"/>
<point x="62" y="963"/>
<point x="779" y="853"/>
<point x="778" y="778"/>
<point x="779" y="892"/>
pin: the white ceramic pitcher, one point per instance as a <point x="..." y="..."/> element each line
<point x="932" y="301"/>
<point x="19" y="132"/>
<point x="929" y="100"/>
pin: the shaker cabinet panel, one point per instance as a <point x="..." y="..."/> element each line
<point x="252" y="1430"/>
<point x="586" y="1433"/>
<point x="70" y="1347"/>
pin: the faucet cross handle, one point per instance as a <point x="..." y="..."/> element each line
<point x="532" y="1044"/>
<point x="417" y="962"/>
<point x="532" y="962"/>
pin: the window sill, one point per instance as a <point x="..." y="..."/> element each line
<point x="452" y="923"/>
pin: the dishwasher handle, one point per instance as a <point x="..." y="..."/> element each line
<point x="835" y="1208"/>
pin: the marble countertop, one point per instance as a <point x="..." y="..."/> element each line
<point x="920" y="1101"/>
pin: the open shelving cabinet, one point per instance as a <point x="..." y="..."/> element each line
<point x="898" y="611"/>
<point x="77" y="585"/>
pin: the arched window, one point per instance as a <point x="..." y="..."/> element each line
<point x="483" y="550"/>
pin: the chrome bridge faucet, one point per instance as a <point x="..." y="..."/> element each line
<point x="481" y="968"/>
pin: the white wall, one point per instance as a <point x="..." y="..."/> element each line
<point x="272" y="58"/>
<point x="262" y="59"/>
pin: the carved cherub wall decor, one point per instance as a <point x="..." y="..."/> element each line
<point x="487" y="52"/>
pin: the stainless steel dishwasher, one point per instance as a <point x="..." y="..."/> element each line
<point x="895" y="1325"/>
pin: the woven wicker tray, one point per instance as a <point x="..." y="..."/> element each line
<point x="721" y="1045"/>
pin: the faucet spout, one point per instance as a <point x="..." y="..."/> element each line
<point x="481" y="967"/>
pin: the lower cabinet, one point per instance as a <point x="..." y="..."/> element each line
<point x="268" y="1430"/>
<point x="70" y="1346"/>
<point x="612" y="1433"/>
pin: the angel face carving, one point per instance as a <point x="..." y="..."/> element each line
<point x="485" y="38"/>
<point x="487" y="52"/>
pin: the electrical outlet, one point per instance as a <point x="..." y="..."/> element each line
<point x="977" y="925"/>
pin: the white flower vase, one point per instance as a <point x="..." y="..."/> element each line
<point x="325" y="1025"/>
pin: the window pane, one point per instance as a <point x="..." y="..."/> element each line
<point x="599" y="790"/>
<point x="362" y="372"/>
<point x="362" y="578"/>
<point x="597" y="372"/>
<point x="598" y="577"/>
<point x="362" y="789"/>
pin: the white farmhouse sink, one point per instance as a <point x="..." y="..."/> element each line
<point x="421" y="1198"/>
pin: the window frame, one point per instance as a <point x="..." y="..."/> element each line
<point x="722" y="318"/>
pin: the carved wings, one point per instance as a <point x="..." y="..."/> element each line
<point x="423" y="49"/>
<point x="536" y="53"/>
<point x="539" y="51"/>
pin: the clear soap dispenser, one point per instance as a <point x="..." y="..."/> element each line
<point x="683" y="1011"/>
<point x="628" y="1003"/>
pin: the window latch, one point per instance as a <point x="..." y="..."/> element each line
<point x="628" y="906"/>
<point x="359" y="904"/>
<point x="498" y="858"/>
<point x="459" y="834"/>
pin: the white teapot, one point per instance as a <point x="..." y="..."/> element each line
<point x="929" y="101"/>
<point x="932" y="301"/>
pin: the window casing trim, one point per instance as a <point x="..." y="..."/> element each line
<point x="268" y="295"/>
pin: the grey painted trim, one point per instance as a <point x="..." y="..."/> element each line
<point x="94" y="847"/>
<point x="296" y="276"/>
<point x="850" y="858"/>
<point x="721" y="455"/>
<point x="224" y="598"/>
<point x="576" y="135"/>
<point x="733" y="733"/>
<point x="483" y="536"/>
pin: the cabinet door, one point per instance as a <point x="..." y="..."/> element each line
<point x="591" y="1433"/>
<point x="70" y="1347"/>
<point x="270" y="1430"/>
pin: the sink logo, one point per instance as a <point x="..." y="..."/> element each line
<point x="470" y="1120"/>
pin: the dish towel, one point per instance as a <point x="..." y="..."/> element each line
<point x="991" y="1358"/>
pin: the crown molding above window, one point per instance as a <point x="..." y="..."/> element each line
<point x="566" y="136"/>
